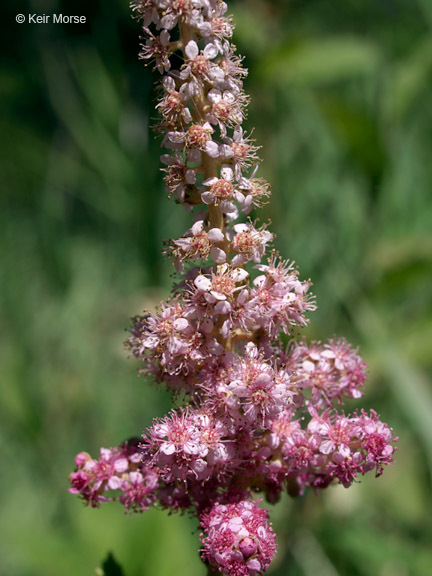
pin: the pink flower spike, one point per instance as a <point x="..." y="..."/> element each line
<point x="258" y="409"/>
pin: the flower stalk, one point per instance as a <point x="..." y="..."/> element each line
<point x="257" y="415"/>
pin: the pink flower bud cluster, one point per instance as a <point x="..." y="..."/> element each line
<point x="257" y="415"/>
<point x="237" y="538"/>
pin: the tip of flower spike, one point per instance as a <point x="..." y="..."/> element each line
<point x="237" y="539"/>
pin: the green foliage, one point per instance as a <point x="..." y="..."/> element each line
<point x="110" y="567"/>
<point x="342" y="103"/>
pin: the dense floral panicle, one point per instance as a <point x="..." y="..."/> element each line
<point x="330" y="371"/>
<point x="238" y="540"/>
<point x="338" y="447"/>
<point x="117" y="471"/>
<point x="170" y="343"/>
<point x="280" y="300"/>
<point x="189" y="446"/>
<point x="249" y="390"/>
<point x="257" y="417"/>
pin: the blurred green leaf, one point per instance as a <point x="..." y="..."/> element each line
<point x="359" y="133"/>
<point x="408" y="81"/>
<point x="318" y="62"/>
<point x="390" y="254"/>
<point x="97" y="85"/>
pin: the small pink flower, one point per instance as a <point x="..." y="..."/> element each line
<point x="249" y="243"/>
<point x="197" y="244"/>
<point x="157" y="47"/>
<point x="221" y="191"/>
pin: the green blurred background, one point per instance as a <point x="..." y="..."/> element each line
<point x="342" y="104"/>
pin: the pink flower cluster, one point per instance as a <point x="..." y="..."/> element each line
<point x="118" y="470"/>
<point x="331" y="371"/>
<point x="257" y="415"/>
<point x="238" y="539"/>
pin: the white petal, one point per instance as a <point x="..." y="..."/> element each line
<point x="136" y="477"/>
<point x="184" y="75"/>
<point x="326" y="447"/>
<point x="217" y="74"/>
<point x="226" y="151"/>
<point x="328" y="354"/>
<point x="229" y="208"/>
<point x="183" y="243"/>
<point x="239" y="274"/>
<point x="190" y="176"/>
<point x="215" y="235"/>
<point x="191" y="50"/>
<point x="121" y="465"/>
<point x="202" y="283"/>
<point x="197" y="227"/>
<point x="231" y="216"/>
<point x="207" y="197"/>
<point x="216" y="348"/>
<point x="214" y="96"/>
<point x="181" y="324"/>
<point x="238" y="134"/>
<point x="247" y="204"/>
<point x="168" y="160"/>
<point x="169" y="83"/>
<point x="205" y="29"/>
<point x="176" y="137"/>
<point x="225" y="330"/>
<point x="229" y="96"/>
<point x="194" y="88"/>
<point x="167" y="448"/>
<point x="212" y="149"/>
<point x="169" y="21"/>
<point x="164" y="37"/>
<point x="222" y="307"/>
<point x="242" y="296"/>
<point x="218" y="295"/>
<point x="210" y="181"/>
<point x="239" y="260"/>
<point x="114" y="483"/>
<point x="259" y="280"/>
<point x="210" y="51"/>
<point x="254" y="565"/>
<point x="206" y="326"/>
<point x="194" y="156"/>
<point x="187" y="116"/>
<point x="308" y="366"/>
<point x="239" y="197"/>
<point x="210" y="298"/>
<point x="217" y="255"/>
<point x="227" y="172"/>
<point x="245" y="183"/>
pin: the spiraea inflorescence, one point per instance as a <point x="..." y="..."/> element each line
<point x="257" y="415"/>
